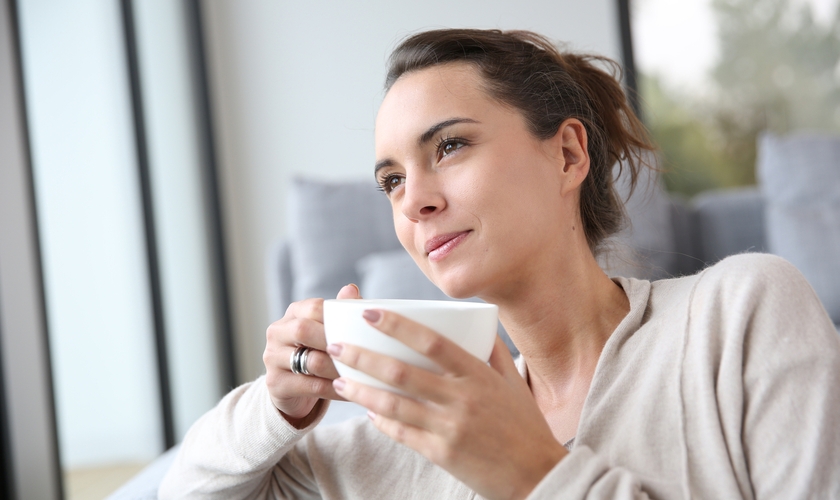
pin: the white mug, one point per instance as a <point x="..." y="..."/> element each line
<point x="471" y="325"/>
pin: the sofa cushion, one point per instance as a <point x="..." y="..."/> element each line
<point x="330" y="227"/>
<point x="800" y="180"/>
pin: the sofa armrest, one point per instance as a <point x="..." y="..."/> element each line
<point x="280" y="279"/>
<point x="144" y="486"/>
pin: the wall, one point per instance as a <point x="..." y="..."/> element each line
<point x="296" y="86"/>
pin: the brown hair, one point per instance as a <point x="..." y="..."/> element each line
<point x="525" y="70"/>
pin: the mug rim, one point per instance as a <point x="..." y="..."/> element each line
<point x="416" y="303"/>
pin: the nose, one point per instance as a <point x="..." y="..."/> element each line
<point x="422" y="198"/>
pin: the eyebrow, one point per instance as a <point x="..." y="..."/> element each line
<point x="434" y="129"/>
<point x="425" y="138"/>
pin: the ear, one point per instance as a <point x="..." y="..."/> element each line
<point x="572" y="141"/>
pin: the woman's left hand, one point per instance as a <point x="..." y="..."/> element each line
<point x="478" y="422"/>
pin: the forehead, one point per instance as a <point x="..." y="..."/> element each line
<point x="422" y="98"/>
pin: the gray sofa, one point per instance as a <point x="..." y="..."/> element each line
<point x="341" y="233"/>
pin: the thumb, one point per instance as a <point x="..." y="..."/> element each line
<point x="350" y="291"/>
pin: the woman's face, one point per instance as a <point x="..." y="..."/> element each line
<point x="478" y="201"/>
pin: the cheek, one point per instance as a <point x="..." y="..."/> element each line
<point x="522" y="198"/>
<point x="504" y="192"/>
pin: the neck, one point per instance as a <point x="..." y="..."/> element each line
<point x="560" y="321"/>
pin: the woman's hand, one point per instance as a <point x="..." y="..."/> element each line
<point x="478" y="422"/>
<point x="295" y="395"/>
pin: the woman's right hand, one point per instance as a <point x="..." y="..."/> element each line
<point x="296" y="395"/>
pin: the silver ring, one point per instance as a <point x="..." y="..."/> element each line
<point x="298" y="360"/>
<point x="303" y="357"/>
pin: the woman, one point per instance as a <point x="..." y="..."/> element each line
<point x="496" y="152"/>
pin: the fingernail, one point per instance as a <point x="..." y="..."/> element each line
<point x="372" y="315"/>
<point x="335" y="349"/>
<point x="338" y="384"/>
<point x="358" y="292"/>
<point x="371" y="415"/>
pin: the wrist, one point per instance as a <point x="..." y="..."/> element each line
<point x="305" y="421"/>
<point x="540" y="467"/>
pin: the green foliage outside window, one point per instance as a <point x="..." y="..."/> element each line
<point x="778" y="70"/>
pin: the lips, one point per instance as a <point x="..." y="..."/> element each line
<point x="439" y="247"/>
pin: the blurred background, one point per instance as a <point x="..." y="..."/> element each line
<point x="146" y="148"/>
<point x="716" y="73"/>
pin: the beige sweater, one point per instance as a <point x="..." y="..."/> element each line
<point x="721" y="385"/>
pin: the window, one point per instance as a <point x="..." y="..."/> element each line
<point x="715" y="74"/>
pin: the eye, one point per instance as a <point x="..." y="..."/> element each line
<point x="390" y="182"/>
<point x="449" y="146"/>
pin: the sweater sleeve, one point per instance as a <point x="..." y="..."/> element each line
<point x="791" y="380"/>
<point x="233" y="450"/>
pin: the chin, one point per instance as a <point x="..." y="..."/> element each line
<point x="457" y="282"/>
<point x="456" y="287"/>
<point x="458" y="294"/>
